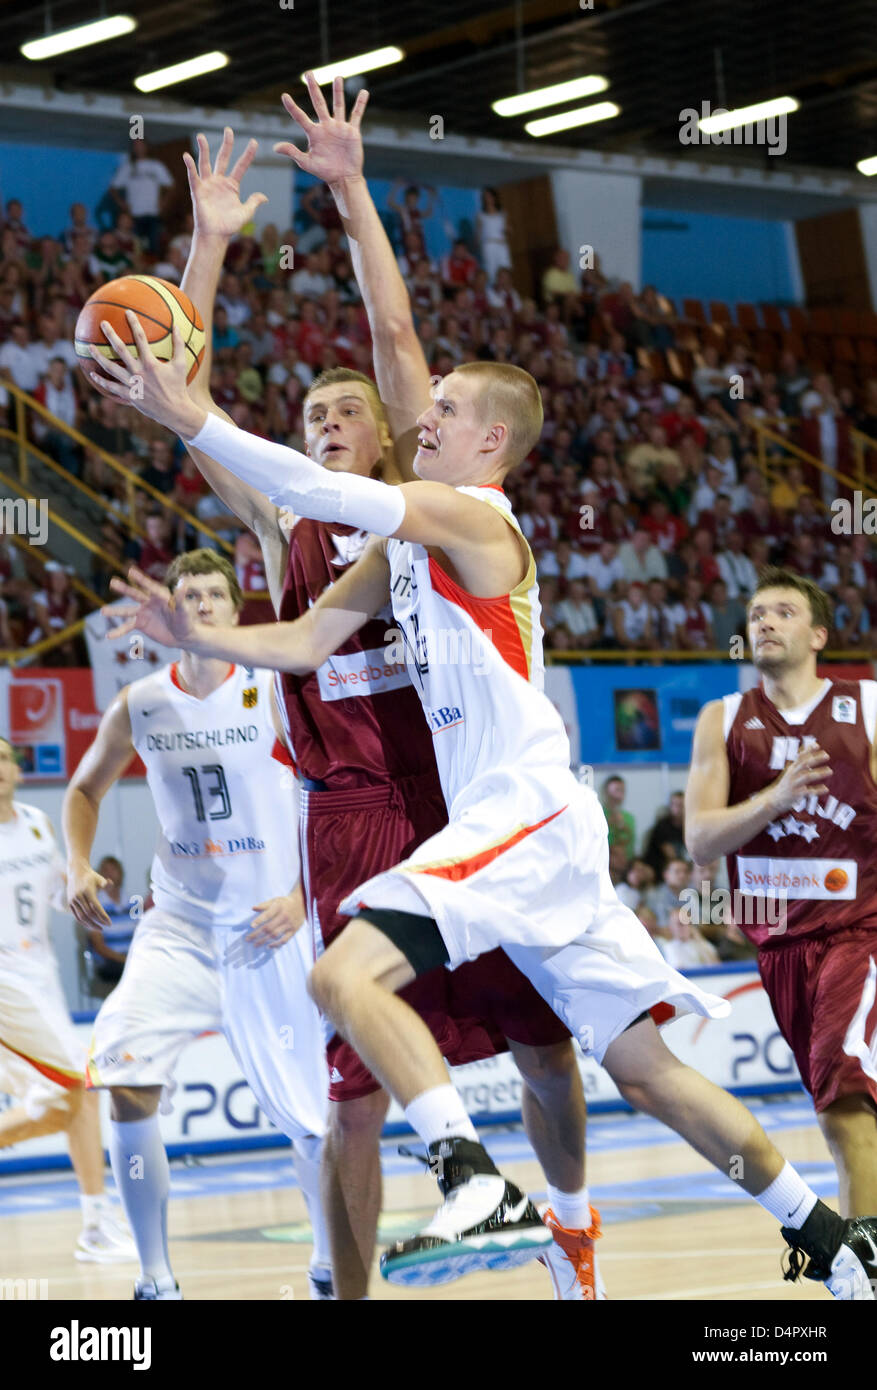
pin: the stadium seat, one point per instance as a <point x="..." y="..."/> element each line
<point x="866" y="352"/>
<point x="799" y="320"/>
<point x="747" y="318"/>
<point x="842" y="350"/>
<point x="772" y="319"/>
<point x="692" y="310"/>
<point x="720" y="313"/>
<point x="823" y="321"/>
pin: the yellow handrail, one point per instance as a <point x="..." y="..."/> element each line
<point x="23" y="400"/>
<point x="75" y="581"/>
<point x="90" y="493"/>
<point x="39" y="648"/>
<point x="66" y="526"/>
<point x="625" y="657"/>
<point x="764" y="432"/>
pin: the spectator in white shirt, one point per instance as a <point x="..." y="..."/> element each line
<point x="640" y="559"/>
<point x="721" y="454"/>
<point x="311" y="281"/>
<point x="145" y="182"/>
<point x="20" y="359"/>
<point x="736" y="568"/>
<point x="686" y="948"/>
<point x="605" y="568"/>
<point x="632" y="620"/>
<point x="709" y="485"/>
<point x="564" y="562"/>
<point x="234" y="303"/>
<point x="172" y="267"/>
<point x="577" y="614"/>
<point x="48" y="345"/>
<point x="638" y="885"/>
<point x="708" y="379"/>
<point x="539" y="524"/>
<point x="56" y="393"/>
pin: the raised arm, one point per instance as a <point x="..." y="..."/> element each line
<point x="481" y="544"/>
<point x="712" y="827"/>
<point x="101" y="766"/>
<point x="218" y="215"/>
<point x="335" y="155"/>
<point x="298" y="647"/>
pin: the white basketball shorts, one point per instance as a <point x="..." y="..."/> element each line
<point x="41" y="1058"/>
<point x="181" y="981"/>
<point x="526" y="867"/>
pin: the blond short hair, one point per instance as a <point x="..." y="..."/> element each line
<point x="510" y="396"/>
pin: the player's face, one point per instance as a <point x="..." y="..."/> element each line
<point x="781" y="632"/>
<point x="207" y="597"/>
<point x="341" y="431"/>
<point x="452" y="434"/>
<point x="10" y="772"/>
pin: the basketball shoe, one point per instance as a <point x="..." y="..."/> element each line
<point x="840" y="1254"/>
<point x="571" y="1260"/>
<point x="320" y="1286"/>
<point x="147" y="1291"/>
<point x="108" y="1242"/>
<point x="485" y="1222"/>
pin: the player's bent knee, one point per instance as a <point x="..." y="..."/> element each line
<point x="362" y="1118"/>
<point x="545" y="1068"/>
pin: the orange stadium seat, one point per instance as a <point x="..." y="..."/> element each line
<point x="720" y="313"/>
<point x="693" y="311"/>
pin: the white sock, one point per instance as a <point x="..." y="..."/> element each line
<point x="306" y="1161"/>
<point x="93" y="1205"/>
<point x="572" y="1209"/>
<point x="788" y="1198"/>
<point x="143" y="1180"/>
<point x="439" y="1114"/>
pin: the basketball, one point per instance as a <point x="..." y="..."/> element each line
<point x="836" y="880"/>
<point x="157" y="304"/>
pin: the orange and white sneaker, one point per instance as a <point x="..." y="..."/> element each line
<point x="571" y="1259"/>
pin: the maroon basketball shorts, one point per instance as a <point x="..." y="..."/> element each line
<point x="346" y="838"/>
<point x="816" y="986"/>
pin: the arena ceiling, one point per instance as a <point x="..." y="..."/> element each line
<point x="659" y="56"/>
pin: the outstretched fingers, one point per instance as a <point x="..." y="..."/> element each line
<point x="294" y="110"/>
<point x="321" y="110"/>
<point x="244" y="162"/>
<point x="338" y="107"/>
<point x="358" y="108"/>
<point x="225" y="150"/>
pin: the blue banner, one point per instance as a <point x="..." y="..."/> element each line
<point x="644" y="714"/>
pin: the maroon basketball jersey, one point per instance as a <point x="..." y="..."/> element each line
<point x="822" y="852"/>
<point x="357" y="720"/>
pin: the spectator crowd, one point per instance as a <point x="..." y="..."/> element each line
<point x="643" y="501"/>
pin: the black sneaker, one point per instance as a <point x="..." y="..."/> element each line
<point x="485" y="1222"/>
<point x="842" y="1255"/>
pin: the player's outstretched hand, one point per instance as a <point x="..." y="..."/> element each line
<point x="334" y="151"/>
<point x="809" y="773"/>
<point x="153" y="612"/>
<point x="216" y="195"/>
<point x="156" y="389"/>
<point x="277" y="920"/>
<point x="83" y="885"/>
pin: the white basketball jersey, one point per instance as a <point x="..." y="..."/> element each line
<point x="477" y="666"/>
<point x="226" y="808"/>
<point x="31" y="873"/>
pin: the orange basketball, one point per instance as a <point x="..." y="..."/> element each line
<point x="157" y="304"/>
<point x="836" y="880"/>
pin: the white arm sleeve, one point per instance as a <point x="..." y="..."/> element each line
<point x="291" y="479"/>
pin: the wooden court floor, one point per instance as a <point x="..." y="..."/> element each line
<point x="252" y="1244"/>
